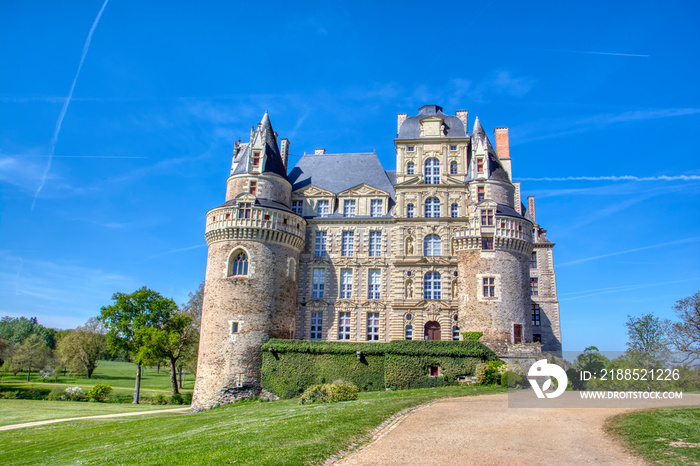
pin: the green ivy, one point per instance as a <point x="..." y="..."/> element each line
<point x="472" y="336"/>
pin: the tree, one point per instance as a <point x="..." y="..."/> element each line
<point x="685" y="334"/>
<point x="81" y="348"/>
<point x="128" y="322"/>
<point x="648" y="340"/>
<point x="192" y="308"/>
<point x="5" y="350"/>
<point x="17" y="329"/>
<point x="32" y="354"/>
<point x="172" y="341"/>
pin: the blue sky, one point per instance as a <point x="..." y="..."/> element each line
<point x="115" y="197"/>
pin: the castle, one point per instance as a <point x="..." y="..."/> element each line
<point x="340" y="249"/>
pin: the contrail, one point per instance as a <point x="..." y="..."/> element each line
<point x="618" y="178"/>
<point x="62" y="115"/>
<point x="670" y="243"/>
<point x="590" y="52"/>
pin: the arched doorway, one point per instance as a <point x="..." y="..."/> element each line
<point x="432" y="331"/>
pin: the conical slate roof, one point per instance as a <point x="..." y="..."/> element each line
<point x="273" y="159"/>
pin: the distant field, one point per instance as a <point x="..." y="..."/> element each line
<point x="21" y="411"/>
<point x="114" y="373"/>
<point x="278" y="432"/>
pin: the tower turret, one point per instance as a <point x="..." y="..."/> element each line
<point x="250" y="288"/>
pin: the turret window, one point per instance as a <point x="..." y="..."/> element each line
<point x="432" y="286"/>
<point x="239" y="265"/>
<point x="432" y="207"/>
<point x="453" y="168"/>
<point x="487" y="243"/>
<point x="256" y="159"/>
<point x="322" y="208"/>
<point x="533" y="260"/>
<point x="253" y="187"/>
<point x="432" y="246"/>
<point x="489" y="287"/>
<point x="486" y="217"/>
<point x="410" y="211"/>
<point x="432" y="171"/>
<point x="245" y="210"/>
<point x="410" y="168"/>
<point x="480" y="165"/>
<point x="480" y="193"/>
<point x="349" y="208"/>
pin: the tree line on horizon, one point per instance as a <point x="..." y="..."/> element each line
<point x="142" y="327"/>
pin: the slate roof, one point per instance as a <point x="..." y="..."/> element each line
<point x="410" y="128"/>
<point x="502" y="209"/>
<point x="496" y="171"/>
<point x="339" y="172"/>
<point x="273" y="160"/>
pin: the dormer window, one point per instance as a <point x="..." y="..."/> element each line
<point x="322" y="208"/>
<point x="349" y="208"/>
<point x="244" y="210"/>
<point x="411" y="148"/>
<point x="256" y="158"/>
<point x="375" y="208"/>
<point x="453" y="147"/>
<point x="480" y="165"/>
<point x="486" y="217"/>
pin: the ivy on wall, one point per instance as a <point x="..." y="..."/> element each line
<point x="289" y="366"/>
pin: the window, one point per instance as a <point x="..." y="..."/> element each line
<point x="244" y="210"/>
<point x="534" y="286"/>
<point x="480" y="193"/>
<point x="432" y="286"/>
<point x="536" y="315"/>
<point x="239" y="265"/>
<point x="432" y="246"/>
<point x="256" y="158"/>
<point x="322" y="209"/>
<point x="316" y="329"/>
<point x="432" y="171"/>
<point x="533" y="260"/>
<point x="410" y="168"/>
<point x="292" y="272"/>
<point x="345" y="283"/>
<point x="455" y="332"/>
<point x="454" y="210"/>
<point x="486" y="217"/>
<point x="487" y="243"/>
<point x="235" y="327"/>
<point x="344" y="326"/>
<point x="347" y="245"/>
<point x="489" y="287"/>
<point x="253" y="187"/>
<point x="374" y="284"/>
<point x="409" y="211"/>
<point x="375" y="243"/>
<point x="432" y="207"/>
<point x="320" y="244"/>
<point x="408" y="332"/>
<point x="453" y="147"/>
<point x="480" y="165"/>
<point x="349" y="208"/>
<point x="411" y="148"/>
<point x="319" y="283"/>
<point x="375" y="209"/>
<point x="372" y="326"/>
<point x="537" y="338"/>
<point x="517" y="333"/>
<point x="297" y="207"/>
<point x="453" y="168"/>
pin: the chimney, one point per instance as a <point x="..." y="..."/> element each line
<point x="400" y="118"/>
<point x="462" y="115"/>
<point x="284" y="151"/>
<point x="531" y="207"/>
<point x="319" y="151"/>
<point x="503" y="149"/>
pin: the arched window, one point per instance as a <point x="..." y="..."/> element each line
<point x="409" y="211"/>
<point x="432" y="246"/>
<point x="453" y="168"/>
<point x="410" y="168"/>
<point x="432" y="207"/>
<point x="432" y="171"/>
<point x="238" y="264"/>
<point x="408" y="334"/>
<point x="292" y="272"/>
<point x="432" y="286"/>
<point x="455" y="333"/>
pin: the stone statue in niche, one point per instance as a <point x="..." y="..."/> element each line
<point x="454" y="289"/>
<point x="409" y="289"/>
<point x="409" y="246"/>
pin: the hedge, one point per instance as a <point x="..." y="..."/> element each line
<point x="290" y="366"/>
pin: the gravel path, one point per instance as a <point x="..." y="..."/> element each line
<point x="101" y="416"/>
<point x="483" y="430"/>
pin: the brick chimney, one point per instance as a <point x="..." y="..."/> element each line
<point x="284" y="151"/>
<point x="400" y="118"/>
<point x="503" y="149"/>
<point x="319" y="151"/>
<point x="531" y="207"/>
<point x="462" y="115"/>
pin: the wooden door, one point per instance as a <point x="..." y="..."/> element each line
<point x="432" y="331"/>
<point x="517" y="333"/>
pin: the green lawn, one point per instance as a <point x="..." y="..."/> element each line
<point x="21" y="411"/>
<point x="279" y="432"/>
<point x="664" y="436"/>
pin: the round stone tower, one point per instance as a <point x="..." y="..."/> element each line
<point x="250" y="289"/>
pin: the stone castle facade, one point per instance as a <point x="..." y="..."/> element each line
<point x="340" y="249"/>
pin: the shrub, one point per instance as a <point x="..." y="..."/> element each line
<point x="99" y="392"/>
<point x="160" y="399"/>
<point x="74" y="394"/>
<point x="471" y="336"/>
<point x="57" y="393"/>
<point x="186" y="398"/>
<point x="329" y="393"/>
<point x="488" y="373"/>
<point x="511" y="379"/>
<point x="176" y="399"/>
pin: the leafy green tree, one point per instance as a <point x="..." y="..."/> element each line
<point x="80" y="349"/>
<point x="32" y="354"/>
<point x="685" y="334"/>
<point x="193" y="309"/>
<point x="6" y="350"/>
<point x="18" y="329"/>
<point x="129" y="322"/>
<point x="648" y="344"/>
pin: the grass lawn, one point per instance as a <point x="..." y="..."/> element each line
<point x="21" y="411"/>
<point x="280" y="432"/>
<point x="664" y="436"/>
